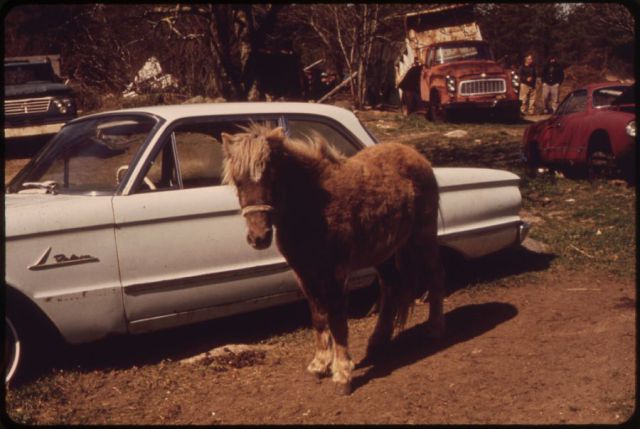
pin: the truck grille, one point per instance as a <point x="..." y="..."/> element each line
<point x="482" y="87"/>
<point x="32" y="105"/>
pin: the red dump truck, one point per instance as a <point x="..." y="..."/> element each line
<point x="447" y="67"/>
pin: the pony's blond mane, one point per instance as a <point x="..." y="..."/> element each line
<point x="250" y="152"/>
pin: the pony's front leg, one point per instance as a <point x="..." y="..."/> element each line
<point x="321" y="363"/>
<point x="342" y="366"/>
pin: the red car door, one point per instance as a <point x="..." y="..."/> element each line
<point x="564" y="125"/>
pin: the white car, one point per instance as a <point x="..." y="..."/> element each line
<point x="121" y="225"/>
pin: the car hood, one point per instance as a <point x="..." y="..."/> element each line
<point x="464" y="177"/>
<point x="36" y="89"/>
<point x="465" y="68"/>
<point x="29" y="214"/>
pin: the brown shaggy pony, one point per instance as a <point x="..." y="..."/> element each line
<point x="333" y="215"/>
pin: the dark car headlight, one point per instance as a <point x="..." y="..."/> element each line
<point x="631" y="129"/>
<point x="64" y="105"/>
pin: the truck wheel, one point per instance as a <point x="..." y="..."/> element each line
<point x="409" y="102"/>
<point x="436" y="110"/>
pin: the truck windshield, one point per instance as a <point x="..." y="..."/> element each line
<point x="86" y="157"/>
<point x="28" y="73"/>
<point x="448" y="54"/>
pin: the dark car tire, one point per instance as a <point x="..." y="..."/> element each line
<point x="12" y="351"/>
<point x="600" y="164"/>
<point x="31" y="340"/>
<point x="533" y="161"/>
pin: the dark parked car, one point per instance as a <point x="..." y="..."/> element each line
<point x="36" y="100"/>
<point x="592" y="132"/>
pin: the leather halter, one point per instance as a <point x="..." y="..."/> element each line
<point x="257" y="208"/>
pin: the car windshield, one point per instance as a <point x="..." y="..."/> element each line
<point x="28" y="73"/>
<point x="448" y="54"/>
<point x="86" y="157"/>
<point x="605" y="96"/>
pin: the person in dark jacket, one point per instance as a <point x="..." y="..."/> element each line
<point x="527" y="73"/>
<point x="552" y="77"/>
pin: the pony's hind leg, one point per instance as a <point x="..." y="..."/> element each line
<point x="434" y="276"/>
<point x="420" y="266"/>
<point x="389" y="279"/>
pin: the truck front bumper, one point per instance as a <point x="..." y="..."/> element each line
<point x="32" y="130"/>
<point x="502" y="105"/>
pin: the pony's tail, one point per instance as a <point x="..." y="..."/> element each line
<point x="405" y="300"/>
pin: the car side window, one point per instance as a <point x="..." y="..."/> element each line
<point x="305" y="128"/>
<point x="575" y="102"/>
<point x="191" y="155"/>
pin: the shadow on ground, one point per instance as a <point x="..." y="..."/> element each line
<point x="409" y="346"/>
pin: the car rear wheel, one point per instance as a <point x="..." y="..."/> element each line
<point x="12" y="351"/>
<point x="600" y="164"/>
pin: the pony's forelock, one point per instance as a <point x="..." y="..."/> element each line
<point x="250" y="152"/>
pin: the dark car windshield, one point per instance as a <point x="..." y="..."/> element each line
<point x="462" y="52"/>
<point x="605" y="96"/>
<point x="90" y="156"/>
<point x="22" y="74"/>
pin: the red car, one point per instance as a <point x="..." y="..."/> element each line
<point x="592" y="132"/>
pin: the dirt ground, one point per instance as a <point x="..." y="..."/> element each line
<point x="551" y="347"/>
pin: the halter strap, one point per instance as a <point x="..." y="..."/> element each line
<point x="257" y="208"/>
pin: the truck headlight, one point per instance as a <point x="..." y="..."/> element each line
<point x="515" y="81"/>
<point x="451" y="84"/>
<point x="631" y="129"/>
<point x="63" y="105"/>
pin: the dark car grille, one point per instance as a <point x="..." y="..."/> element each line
<point x="482" y="86"/>
<point x="21" y="107"/>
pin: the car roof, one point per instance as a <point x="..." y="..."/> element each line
<point x="593" y="86"/>
<point x="178" y="111"/>
<point x="175" y="112"/>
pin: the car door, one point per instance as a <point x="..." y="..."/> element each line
<point x="182" y="245"/>
<point x="571" y="113"/>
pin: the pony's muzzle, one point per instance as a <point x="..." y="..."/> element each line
<point x="260" y="232"/>
<point x="262" y="241"/>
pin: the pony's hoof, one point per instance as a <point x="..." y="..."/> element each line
<point x="317" y="377"/>
<point x="343" y="389"/>
<point x="435" y="330"/>
<point x="375" y="350"/>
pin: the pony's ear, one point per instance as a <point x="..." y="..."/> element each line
<point x="227" y="141"/>
<point x="275" y="137"/>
